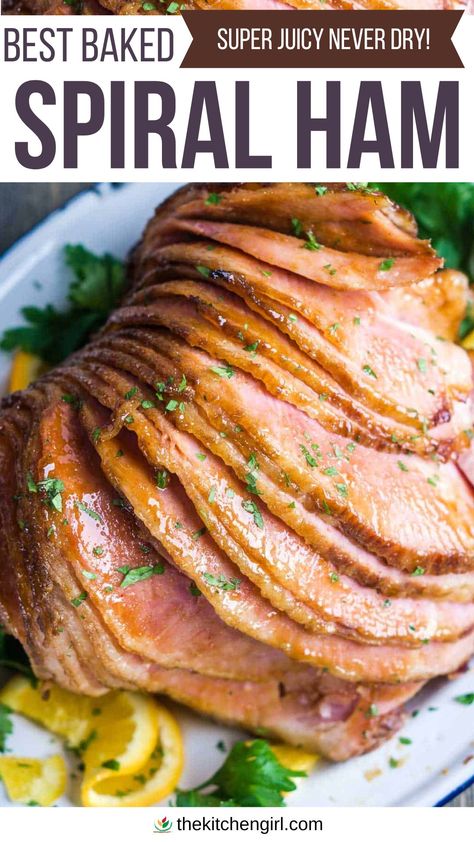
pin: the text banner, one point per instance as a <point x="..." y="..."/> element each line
<point x="262" y="39"/>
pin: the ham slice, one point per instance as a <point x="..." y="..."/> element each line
<point x="348" y="270"/>
<point x="357" y="220"/>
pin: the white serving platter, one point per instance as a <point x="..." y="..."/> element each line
<point x="440" y="761"/>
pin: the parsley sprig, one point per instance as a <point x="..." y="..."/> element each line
<point x="251" y="776"/>
<point x="52" y="334"/>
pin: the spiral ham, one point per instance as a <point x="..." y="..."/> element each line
<point x="265" y="505"/>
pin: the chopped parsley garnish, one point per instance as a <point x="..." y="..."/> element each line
<point x="334" y="577"/>
<point x="222" y="371"/>
<point x="297" y="227"/>
<point x="465" y="699"/>
<point x="251" y="776"/>
<point x="405" y="741"/>
<point x="422" y="365"/>
<point x="182" y="384"/>
<point x="131" y="393"/>
<point x="73" y="400"/>
<point x="83" y="508"/>
<point x="253" y="462"/>
<point x="132" y="575"/>
<point x="251" y="507"/>
<point x="147" y="404"/>
<point x="250" y="477"/>
<point x="418" y="571"/>
<point x="162" y="478"/>
<point x="222" y="582"/>
<point x="368" y="370"/>
<point x="193" y="589"/>
<point x="213" y="199"/>
<point x="402" y="466"/>
<point x="362" y="186"/>
<point x="52" y="488"/>
<point x="321" y="189"/>
<point x="387" y="264"/>
<point x="201" y="456"/>
<point x="31" y="485"/>
<point x="204" y="271"/>
<point x="251" y="481"/>
<point x="342" y="489"/>
<point x="372" y="711"/>
<point x="78" y="600"/>
<point x="311" y="461"/>
<point x="311" y="243"/>
<point x="252" y="348"/>
<point x="199" y="533"/>
<point x="171" y="406"/>
<point x="292" y="317"/>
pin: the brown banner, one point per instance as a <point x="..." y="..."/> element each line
<point x="312" y="39"/>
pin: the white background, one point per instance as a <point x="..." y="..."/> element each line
<point x="273" y="112"/>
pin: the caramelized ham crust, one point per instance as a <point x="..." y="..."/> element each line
<point x="252" y="491"/>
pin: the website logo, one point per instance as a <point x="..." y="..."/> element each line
<point x="163" y="825"/>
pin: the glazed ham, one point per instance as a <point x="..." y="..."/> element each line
<point x="251" y="491"/>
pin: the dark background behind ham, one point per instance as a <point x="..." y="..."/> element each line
<point x="24" y="205"/>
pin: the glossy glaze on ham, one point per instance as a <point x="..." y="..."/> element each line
<point x="275" y="426"/>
